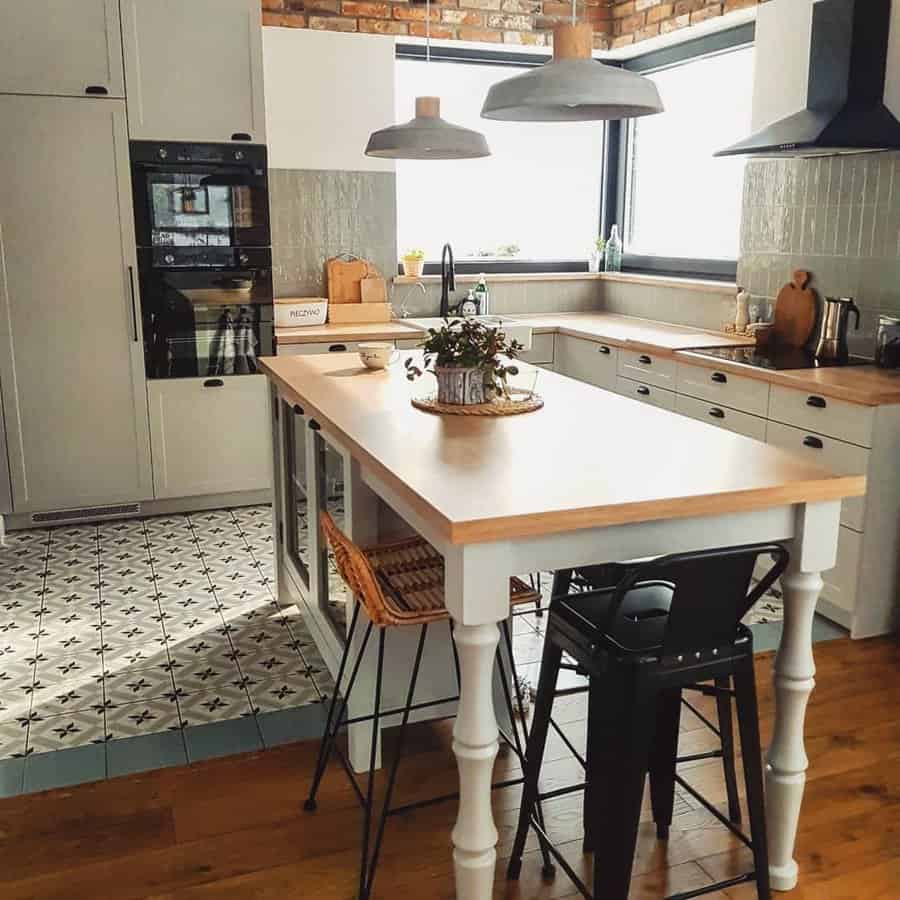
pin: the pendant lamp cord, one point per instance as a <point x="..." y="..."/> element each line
<point x="574" y="12"/>
<point x="428" y="30"/>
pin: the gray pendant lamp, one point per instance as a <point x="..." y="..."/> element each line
<point x="573" y="86"/>
<point x="427" y="136"/>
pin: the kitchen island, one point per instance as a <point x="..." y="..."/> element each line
<point x="591" y="477"/>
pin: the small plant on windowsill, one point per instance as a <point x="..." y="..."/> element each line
<point x="413" y="262"/>
<point x="595" y="262"/>
<point x="469" y="360"/>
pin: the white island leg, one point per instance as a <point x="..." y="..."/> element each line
<point x="475" y="744"/>
<point x="814" y="550"/>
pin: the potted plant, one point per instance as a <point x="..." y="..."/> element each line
<point x="413" y="260"/>
<point x="595" y="261"/>
<point x="470" y="361"/>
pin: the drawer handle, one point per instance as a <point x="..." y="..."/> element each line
<point x="337" y="348"/>
<point x="96" y="90"/>
<point x="603" y="349"/>
<point x="644" y="391"/>
<point x="298" y="409"/>
<point x="817" y="402"/>
<point x="717" y="413"/>
<point x="645" y="360"/>
<point x="314" y="425"/>
<point x="814" y="442"/>
<point x="719" y="378"/>
<point x="241" y="136"/>
<point x="213" y="382"/>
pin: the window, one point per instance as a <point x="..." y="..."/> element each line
<point x="679" y="205"/>
<point x="536" y="199"/>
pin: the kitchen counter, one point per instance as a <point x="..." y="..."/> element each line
<point x="315" y="334"/>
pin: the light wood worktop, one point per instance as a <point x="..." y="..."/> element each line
<point x="315" y="334"/>
<point x="588" y="458"/>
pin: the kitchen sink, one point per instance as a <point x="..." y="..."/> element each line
<point x="514" y="330"/>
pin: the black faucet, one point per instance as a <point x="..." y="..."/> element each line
<point x="448" y="279"/>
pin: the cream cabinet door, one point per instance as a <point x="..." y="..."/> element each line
<point x="61" y="47"/>
<point x="71" y="355"/>
<point x="586" y="360"/>
<point x="210" y="435"/>
<point x="194" y="70"/>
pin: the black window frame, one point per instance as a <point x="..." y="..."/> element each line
<point x="614" y="161"/>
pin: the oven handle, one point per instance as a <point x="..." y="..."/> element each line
<point x="134" y="323"/>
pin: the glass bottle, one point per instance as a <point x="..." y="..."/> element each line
<point x="614" y="251"/>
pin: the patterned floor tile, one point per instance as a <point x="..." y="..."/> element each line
<point x="130" y="686"/>
<point x="202" y="707"/>
<point x="285" y="693"/>
<point x="204" y="676"/>
<point x="142" y="717"/>
<point x="13" y="738"/>
<point x="62" y="667"/>
<point x="69" y="730"/>
<point x="50" y="700"/>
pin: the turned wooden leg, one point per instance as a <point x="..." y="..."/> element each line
<point x="787" y="762"/>
<point x="475" y="746"/>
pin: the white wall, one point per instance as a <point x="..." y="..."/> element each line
<point x="326" y="92"/>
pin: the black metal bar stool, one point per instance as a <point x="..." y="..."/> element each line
<point x="400" y="584"/>
<point x="668" y="624"/>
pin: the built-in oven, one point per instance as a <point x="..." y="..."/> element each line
<point x="206" y="320"/>
<point x="204" y="257"/>
<point x="200" y="195"/>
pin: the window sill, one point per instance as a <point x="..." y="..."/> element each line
<point x="689" y="284"/>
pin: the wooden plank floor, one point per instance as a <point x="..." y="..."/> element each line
<point x="232" y="828"/>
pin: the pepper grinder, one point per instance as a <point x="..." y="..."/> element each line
<point x="741" y="311"/>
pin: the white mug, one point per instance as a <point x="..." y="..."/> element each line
<point x="378" y="355"/>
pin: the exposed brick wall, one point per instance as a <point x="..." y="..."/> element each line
<point x="616" y="22"/>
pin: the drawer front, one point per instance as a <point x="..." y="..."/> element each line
<point x="307" y="349"/>
<point x="729" y="419"/>
<point x="586" y="360"/>
<point x="841" y="582"/>
<point x="646" y="393"/>
<point x="647" y="368"/>
<point x="823" y="415"/>
<point x="840" y="457"/>
<point x="723" y="388"/>
<point x="541" y="349"/>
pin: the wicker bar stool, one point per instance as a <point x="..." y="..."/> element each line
<point x="400" y="584"/>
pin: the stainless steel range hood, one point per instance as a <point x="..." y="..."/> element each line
<point x="830" y="59"/>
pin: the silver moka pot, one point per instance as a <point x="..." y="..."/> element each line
<point x="834" y="326"/>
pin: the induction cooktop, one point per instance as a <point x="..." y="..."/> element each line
<point x="776" y="358"/>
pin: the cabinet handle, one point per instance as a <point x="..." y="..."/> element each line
<point x="719" y="378"/>
<point x="644" y="391"/>
<point x="134" y="324"/>
<point x="241" y="136"/>
<point x="814" y="442"/>
<point x="298" y="409"/>
<point x="603" y="349"/>
<point x="213" y="382"/>
<point x="96" y="90"/>
<point x="314" y="425"/>
<point x="817" y="402"/>
<point x="717" y="413"/>
<point x="645" y="360"/>
<point x="337" y="348"/>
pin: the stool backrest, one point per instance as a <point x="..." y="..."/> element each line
<point x="711" y="592"/>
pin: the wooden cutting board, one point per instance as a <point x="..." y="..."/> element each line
<point x="344" y="277"/>
<point x="795" y="311"/>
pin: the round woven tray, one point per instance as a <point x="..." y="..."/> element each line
<point x="498" y="407"/>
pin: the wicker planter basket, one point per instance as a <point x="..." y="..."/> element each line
<point x="458" y="386"/>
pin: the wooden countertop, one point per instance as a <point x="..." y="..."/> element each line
<point x="488" y="479"/>
<point x="866" y="385"/>
<point x="315" y="334"/>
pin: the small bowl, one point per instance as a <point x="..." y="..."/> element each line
<point x="377" y="354"/>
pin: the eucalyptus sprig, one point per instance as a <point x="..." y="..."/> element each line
<point x="469" y="344"/>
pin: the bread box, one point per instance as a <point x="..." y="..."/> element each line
<point x="291" y="312"/>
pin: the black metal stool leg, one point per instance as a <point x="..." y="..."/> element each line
<point x="392" y="779"/>
<point x="336" y="710"/>
<point x="662" y="760"/>
<point x="748" y="722"/>
<point x="726" y="731"/>
<point x="370" y="785"/>
<point x="534" y="752"/>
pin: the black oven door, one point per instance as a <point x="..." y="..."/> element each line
<point x="200" y="323"/>
<point x="200" y="196"/>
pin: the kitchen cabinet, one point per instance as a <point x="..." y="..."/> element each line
<point x="332" y="347"/>
<point x="648" y="368"/>
<point x="210" y="435"/>
<point x="542" y="350"/>
<point x="61" y="48"/>
<point x="71" y="354"/>
<point x="645" y="393"/>
<point x="722" y="417"/>
<point x="586" y="360"/>
<point x="723" y="388"/>
<point x="194" y="70"/>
